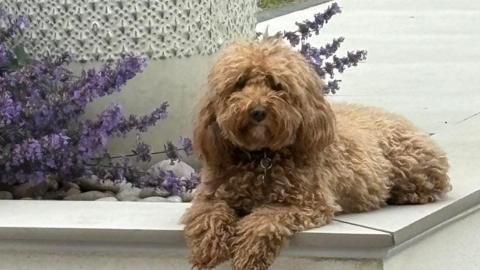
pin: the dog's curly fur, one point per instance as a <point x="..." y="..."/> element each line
<point x="327" y="159"/>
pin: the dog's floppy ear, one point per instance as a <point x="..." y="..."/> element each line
<point x="318" y="126"/>
<point x="210" y="147"/>
<point x="208" y="143"/>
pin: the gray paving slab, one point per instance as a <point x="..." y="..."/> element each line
<point x="423" y="63"/>
<point x="404" y="222"/>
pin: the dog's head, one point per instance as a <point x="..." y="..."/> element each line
<point x="263" y="95"/>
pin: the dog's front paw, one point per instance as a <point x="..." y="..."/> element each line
<point x="210" y="248"/>
<point x="208" y="230"/>
<point x="253" y="247"/>
<point x="250" y="254"/>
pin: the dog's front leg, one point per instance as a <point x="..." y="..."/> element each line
<point x="209" y="225"/>
<point x="260" y="235"/>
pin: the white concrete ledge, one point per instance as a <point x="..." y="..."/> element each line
<point x="142" y="223"/>
<point x="115" y="235"/>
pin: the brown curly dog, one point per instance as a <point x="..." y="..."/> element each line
<point x="279" y="159"/>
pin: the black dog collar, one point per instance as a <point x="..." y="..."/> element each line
<point x="262" y="158"/>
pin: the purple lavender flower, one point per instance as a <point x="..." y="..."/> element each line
<point x="143" y="123"/>
<point x="307" y="27"/>
<point x="186" y="144"/>
<point x="93" y="84"/>
<point x="340" y="64"/>
<point x="127" y="69"/>
<point x="29" y="150"/>
<point x="11" y="25"/>
<point x="322" y="18"/>
<point x="23" y="177"/>
<point x="57" y="141"/>
<point x="4" y="56"/>
<point x="9" y="109"/>
<point x="20" y="22"/>
<point x="143" y="152"/>
<point x="95" y="135"/>
<point x="319" y="57"/>
<point x="192" y="182"/>
<point x="110" y="118"/>
<point x="171" y="151"/>
<point x="33" y="150"/>
<point x="148" y="180"/>
<point x="36" y="176"/>
<point x="332" y="87"/>
<point x="292" y="37"/>
<point x="172" y="183"/>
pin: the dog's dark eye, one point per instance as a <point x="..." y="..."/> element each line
<point x="240" y="84"/>
<point x="275" y="86"/>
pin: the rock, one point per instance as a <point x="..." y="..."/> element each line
<point x="55" y="195"/>
<point x="72" y="191"/>
<point x="174" y="198"/>
<point x="87" y="196"/>
<point x="108" y="199"/>
<point x="153" y="192"/>
<point x="6" y="187"/>
<point x="51" y="183"/>
<point x="5" y="195"/>
<point x="154" y="199"/>
<point x="129" y="194"/>
<point x="70" y="188"/>
<point x="146" y="192"/>
<point x="30" y="189"/>
<point x="125" y="185"/>
<point x="69" y="185"/>
<point x="97" y="184"/>
<point x="110" y="193"/>
<point x="178" y="167"/>
<point x="188" y="196"/>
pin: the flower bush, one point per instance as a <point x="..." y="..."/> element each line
<point x="42" y="106"/>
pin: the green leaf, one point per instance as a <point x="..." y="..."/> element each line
<point x="6" y="149"/>
<point x="13" y="64"/>
<point x="22" y="56"/>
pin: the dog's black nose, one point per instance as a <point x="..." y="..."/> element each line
<point x="258" y="113"/>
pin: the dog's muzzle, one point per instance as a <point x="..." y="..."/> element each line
<point x="258" y="113"/>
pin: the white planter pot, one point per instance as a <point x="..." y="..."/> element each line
<point x="106" y="29"/>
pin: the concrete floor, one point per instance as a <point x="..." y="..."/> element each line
<point x="423" y="57"/>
